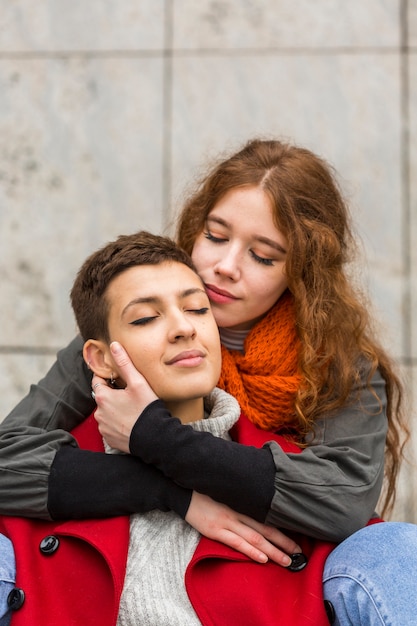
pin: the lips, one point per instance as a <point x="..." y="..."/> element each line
<point x="219" y="296"/>
<point x="187" y="358"/>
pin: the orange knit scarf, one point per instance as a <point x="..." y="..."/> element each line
<point x="265" y="379"/>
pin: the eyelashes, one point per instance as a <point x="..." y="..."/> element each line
<point x="210" y="237"/>
<point x="219" y="240"/>
<point x="262" y="260"/>
<point x="143" y="321"/>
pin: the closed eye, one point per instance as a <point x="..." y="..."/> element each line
<point x="142" y="321"/>
<point x="208" y="235"/>
<point x="261" y="259"/>
<point x="201" y="311"/>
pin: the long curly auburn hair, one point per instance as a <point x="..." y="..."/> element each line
<point x="332" y="319"/>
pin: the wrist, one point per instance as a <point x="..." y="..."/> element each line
<point x="154" y="408"/>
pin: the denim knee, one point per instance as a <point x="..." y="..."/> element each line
<point x="370" y="578"/>
<point x="7" y="578"/>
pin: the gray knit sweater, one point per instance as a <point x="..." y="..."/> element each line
<point x="162" y="544"/>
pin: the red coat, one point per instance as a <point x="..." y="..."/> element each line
<point x="81" y="581"/>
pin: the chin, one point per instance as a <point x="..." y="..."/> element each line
<point x="195" y="393"/>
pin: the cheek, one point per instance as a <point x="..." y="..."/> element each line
<point x="200" y="255"/>
<point x="278" y="292"/>
<point x="156" y="378"/>
<point x="270" y="290"/>
<point x="145" y="358"/>
<point x="218" y="365"/>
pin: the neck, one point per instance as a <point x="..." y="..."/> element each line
<point x="188" y="410"/>
<point x="233" y="339"/>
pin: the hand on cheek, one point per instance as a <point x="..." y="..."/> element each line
<point x="118" y="409"/>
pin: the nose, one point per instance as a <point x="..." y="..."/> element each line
<point x="181" y="327"/>
<point x="229" y="263"/>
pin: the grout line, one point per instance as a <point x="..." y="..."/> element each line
<point x="29" y="350"/>
<point x="184" y="52"/>
<point x="409" y="505"/>
<point x="23" y="55"/>
<point x="407" y="361"/>
<point x="167" y="113"/>
<point x="48" y="350"/>
<point x="405" y="169"/>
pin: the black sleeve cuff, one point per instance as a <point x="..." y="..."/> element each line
<point x="237" y="475"/>
<point x="85" y="484"/>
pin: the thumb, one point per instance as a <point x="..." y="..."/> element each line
<point x="134" y="380"/>
<point x="127" y="370"/>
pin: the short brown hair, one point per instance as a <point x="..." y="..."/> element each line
<point x="88" y="294"/>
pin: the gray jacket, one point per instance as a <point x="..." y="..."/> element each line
<point x="328" y="491"/>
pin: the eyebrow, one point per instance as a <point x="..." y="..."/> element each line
<point x="155" y="299"/>
<point x="260" y="238"/>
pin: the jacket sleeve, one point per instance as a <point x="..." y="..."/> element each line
<point x="43" y="472"/>
<point x="327" y="491"/>
<point x="37" y="427"/>
<point x="331" y="489"/>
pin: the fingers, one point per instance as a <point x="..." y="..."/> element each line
<point x="253" y="539"/>
<point x="97" y="380"/>
<point x="255" y="547"/>
<point x="259" y="544"/>
<point x="239" y="544"/>
<point x="272" y="535"/>
<point x="95" y="384"/>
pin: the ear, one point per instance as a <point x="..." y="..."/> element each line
<point x="97" y="355"/>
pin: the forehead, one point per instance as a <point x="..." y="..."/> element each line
<point x="153" y="281"/>
<point x="250" y="212"/>
<point x="242" y="206"/>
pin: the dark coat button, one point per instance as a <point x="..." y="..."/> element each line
<point x="298" y="562"/>
<point x="49" y="545"/>
<point x="331" y="615"/>
<point x="15" y="599"/>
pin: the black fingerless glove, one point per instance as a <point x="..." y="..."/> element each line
<point x="237" y="475"/>
<point x="85" y="484"/>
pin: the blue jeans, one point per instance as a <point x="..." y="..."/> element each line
<point x="7" y="578"/>
<point x="371" y="577"/>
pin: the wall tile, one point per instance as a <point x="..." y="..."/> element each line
<point x="210" y="24"/>
<point x="80" y="163"/>
<point x="18" y="372"/>
<point x="333" y="104"/>
<point x="56" y="25"/>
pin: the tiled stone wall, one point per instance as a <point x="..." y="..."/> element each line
<point x="108" y="110"/>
